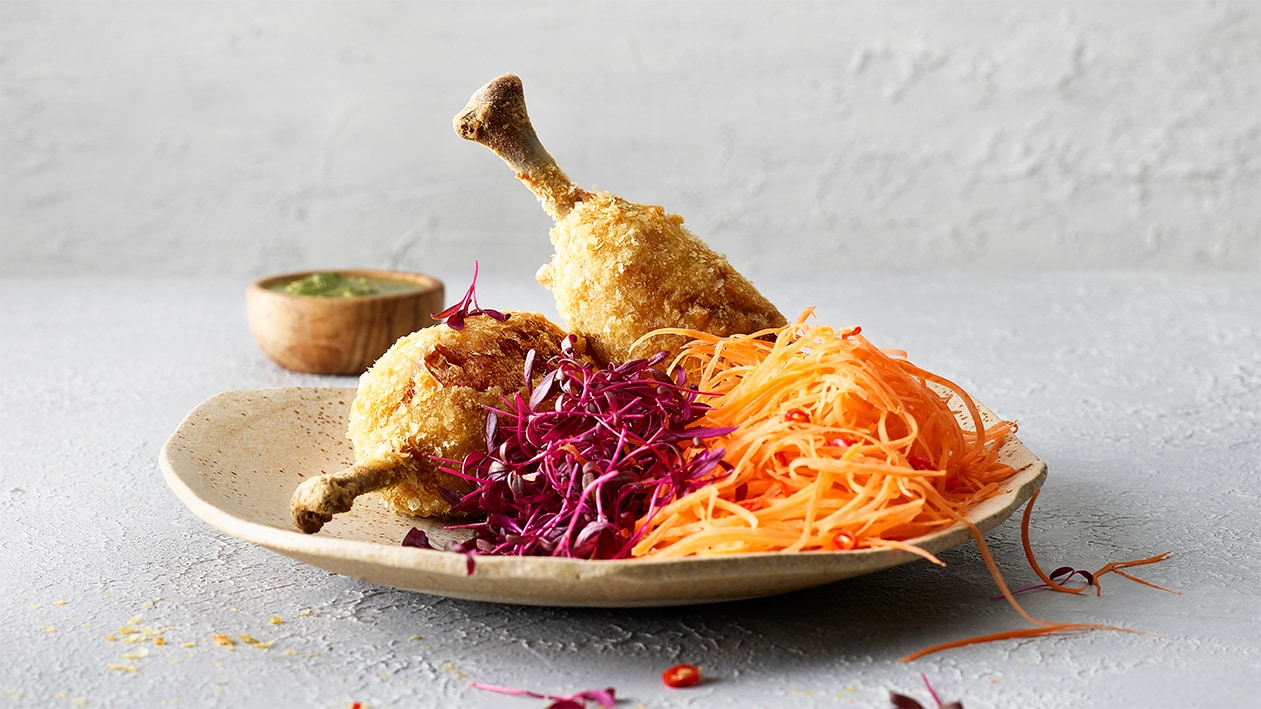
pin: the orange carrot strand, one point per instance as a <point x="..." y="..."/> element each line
<point x="1146" y="583"/>
<point x="1033" y="562"/>
<point x="832" y="433"/>
<point x="1110" y="567"/>
<point x="1046" y="628"/>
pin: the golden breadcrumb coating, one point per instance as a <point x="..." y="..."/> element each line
<point x="623" y="269"/>
<point x="425" y="397"/>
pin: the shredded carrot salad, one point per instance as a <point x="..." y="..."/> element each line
<point x="839" y="445"/>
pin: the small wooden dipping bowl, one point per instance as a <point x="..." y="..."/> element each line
<point x="337" y="335"/>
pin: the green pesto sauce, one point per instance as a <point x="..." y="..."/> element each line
<point x="337" y="285"/>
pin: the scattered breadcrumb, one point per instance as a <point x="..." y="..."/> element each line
<point x="139" y="636"/>
<point x="255" y="642"/>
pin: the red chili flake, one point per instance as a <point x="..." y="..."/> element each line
<point x="855" y="330"/>
<point x="681" y="676"/>
<point x="919" y="462"/>
<point x="844" y="540"/>
<point x="797" y="415"/>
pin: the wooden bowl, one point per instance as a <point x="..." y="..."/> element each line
<point x="337" y="335"/>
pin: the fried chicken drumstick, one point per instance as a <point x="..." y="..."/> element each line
<point x="620" y="269"/>
<point x="426" y="397"/>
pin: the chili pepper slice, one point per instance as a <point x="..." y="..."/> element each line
<point x="844" y="540"/>
<point x="919" y="462"/>
<point x="681" y="676"/>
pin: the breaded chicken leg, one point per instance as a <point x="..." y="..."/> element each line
<point x="425" y="397"/>
<point x="620" y="269"/>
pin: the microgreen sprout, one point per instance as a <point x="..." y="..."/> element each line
<point x="1060" y="575"/>
<point x="417" y="538"/>
<point x="467" y="307"/>
<point x="575" y="460"/>
<point x="602" y="697"/>
<point x="901" y="701"/>
<point x="420" y="540"/>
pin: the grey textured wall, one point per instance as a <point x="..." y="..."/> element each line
<point x="246" y="138"/>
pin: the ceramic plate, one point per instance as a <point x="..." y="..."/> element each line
<point x="236" y="459"/>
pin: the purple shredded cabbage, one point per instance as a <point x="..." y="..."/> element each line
<point x="572" y="463"/>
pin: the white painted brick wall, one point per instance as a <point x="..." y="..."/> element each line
<point x="245" y="138"/>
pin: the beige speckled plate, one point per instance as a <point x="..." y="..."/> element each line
<point x="236" y="459"/>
